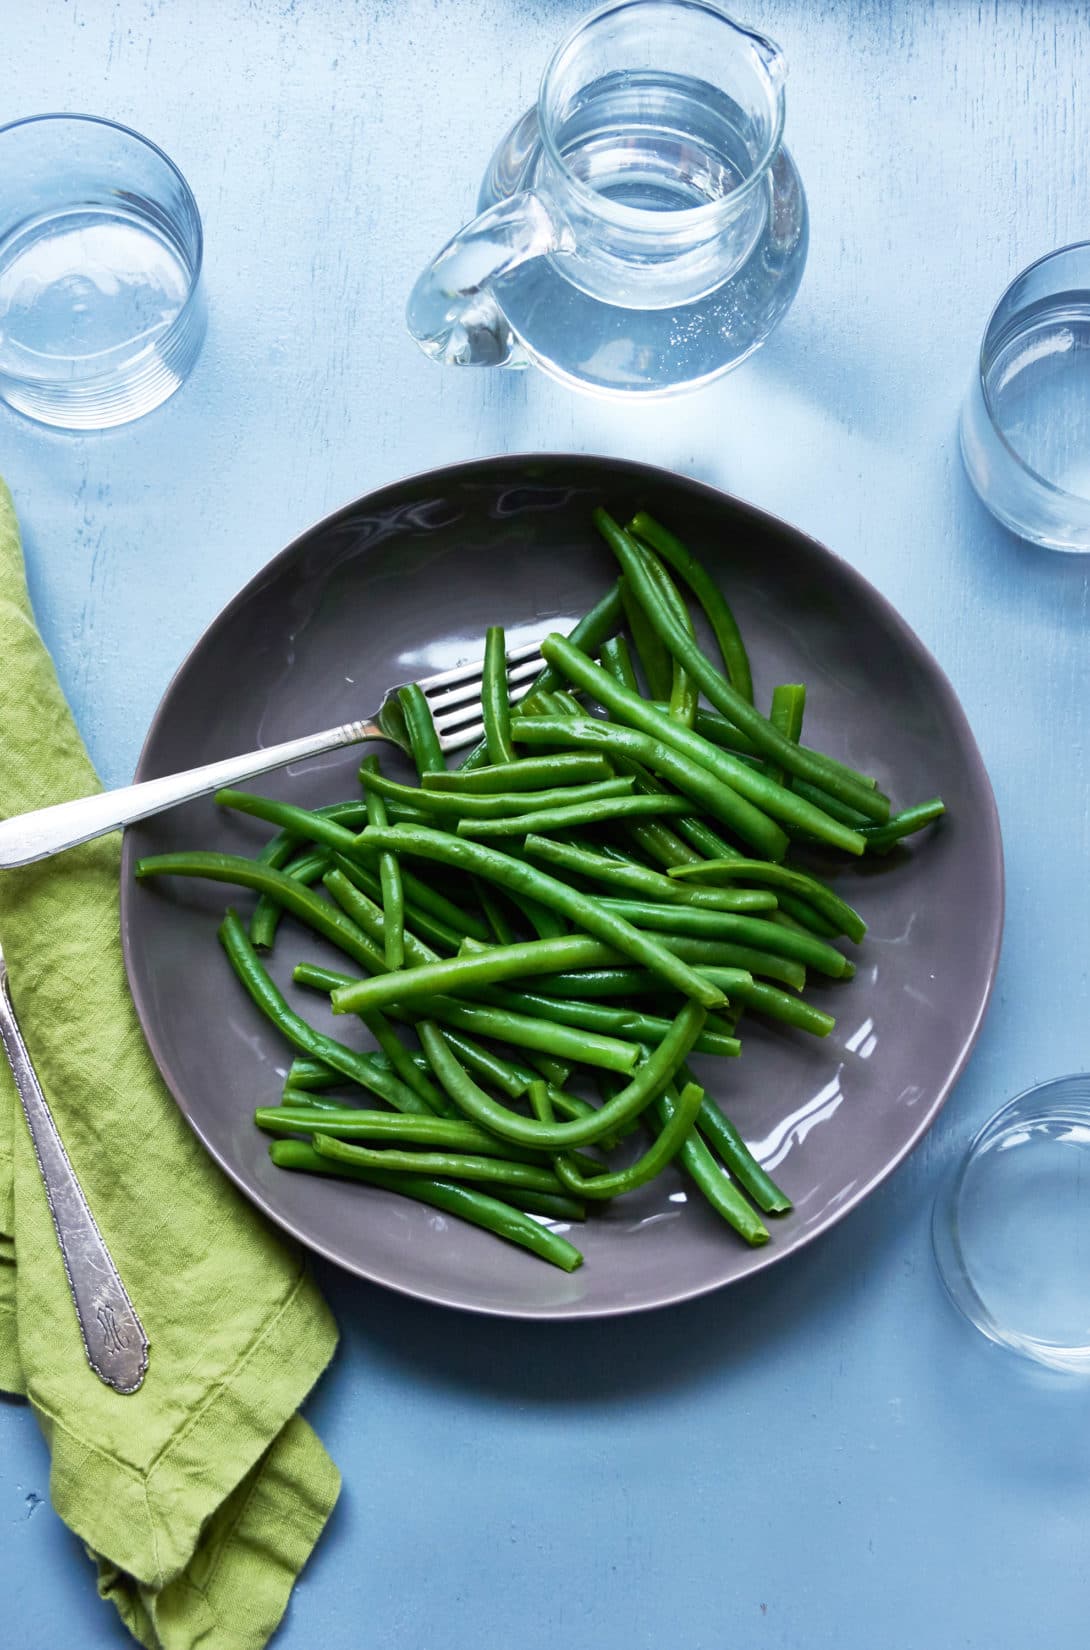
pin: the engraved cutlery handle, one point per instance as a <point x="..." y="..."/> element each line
<point x="113" y="1336"/>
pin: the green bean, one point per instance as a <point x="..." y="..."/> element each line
<point x="429" y="927"/>
<point x="706" y="841"/>
<point x="541" y="704"/>
<point x="279" y="848"/>
<point x="767" y="739"/>
<point x="646" y="1082"/>
<point x="657" y="841"/>
<point x="705" y="787"/>
<point x="423" y="896"/>
<point x="708" y="956"/>
<point x="721" y="1134"/>
<point x="655" y="660"/>
<point x="788" y="708"/>
<point x="691" y="917"/>
<point x="574" y="816"/>
<point x="546" y="924"/>
<point x="684" y="693"/>
<point x="810" y="888"/>
<point x="698" y="1163"/>
<point x="477" y="1208"/>
<point x="509" y="1076"/>
<point x="526" y="773"/>
<point x="304" y="822"/>
<point x="663" y="1149"/>
<point x="495" y="703"/>
<point x="305" y="1073"/>
<point x="325" y="919"/>
<point x="424" y="746"/>
<point x="653" y="888"/>
<point x="403" y="1063"/>
<point x="805" y="916"/>
<point x="618" y="1022"/>
<point x="719" y="731"/>
<point x="523" y="1030"/>
<point x="554" y="1071"/>
<point x="882" y="838"/>
<point x="525" y="879"/>
<point x="601" y="621"/>
<point x="453" y="1133"/>
<point x="615" y="657"/>
<point x="489" y="966"/>
<point x="493" y="910"/>
<point x="724" y="626"/>
<point x="317" y="1105"/>
<point x="389" y="872"/>
<point x="678" y="919"/>
<point x="457" y="805"/>
<point x="361" y="1068"/>
<point x="552" y="1205"/>
<point x="749" y="782"/>
<point x="831" y="805"/>
<point x="306" y="869"/>
<point x="783" y="1005"/>
<point x="444" y="1164"/>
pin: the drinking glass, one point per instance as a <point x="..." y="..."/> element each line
<point x="1011" y="1227"/>
<point x="1025" y="425"/>
<point x="642" y="229"/>
<point x="101" y="312"/>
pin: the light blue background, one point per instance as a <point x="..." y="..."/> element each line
<point x="824" y="1458"/>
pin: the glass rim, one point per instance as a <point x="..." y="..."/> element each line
<point x="636" y="217"/>
<point x="191" y="297"/>
<point x="963" y="1293"/>
<point x="1043" y="481"/>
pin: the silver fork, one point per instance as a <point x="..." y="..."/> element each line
<point x="113" y="1336"/>
<point x="454" y="698"/>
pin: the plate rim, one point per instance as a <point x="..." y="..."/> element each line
<point x="717" y="497"/>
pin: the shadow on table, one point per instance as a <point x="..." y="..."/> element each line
<point x="645" y="1353"/>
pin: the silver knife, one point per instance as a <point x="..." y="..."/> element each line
<point x="113" y="1336"/>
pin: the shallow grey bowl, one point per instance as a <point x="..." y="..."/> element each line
<point x="403" y="583"/>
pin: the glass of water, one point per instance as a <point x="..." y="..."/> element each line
<point x="642" y="228"/>
<point x="101" y="312"/>
<point x="1025" y="424"/>
<point x="1011" y="1227"/>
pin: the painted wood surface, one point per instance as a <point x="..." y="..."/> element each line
<point x="827" y="1458"/>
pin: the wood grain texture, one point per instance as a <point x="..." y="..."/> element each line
<point x="534" y="1486"/>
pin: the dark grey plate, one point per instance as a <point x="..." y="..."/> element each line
<point x="404" y="583"/>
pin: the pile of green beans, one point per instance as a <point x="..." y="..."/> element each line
<point x="538" y="939"/>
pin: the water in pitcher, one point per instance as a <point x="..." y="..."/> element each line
<point x="658" y="143"/>
<point x="628" y="315"/>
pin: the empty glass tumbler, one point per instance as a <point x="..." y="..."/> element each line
<point x="101" y="313"/>
<point x="1025" y="424"/>
<point x="641" y="229"/>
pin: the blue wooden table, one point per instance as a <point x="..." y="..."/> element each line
<point x="827" y="1457"/>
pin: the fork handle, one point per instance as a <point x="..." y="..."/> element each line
<point x="29" y="837"/>
<point x="113" y="1336"/>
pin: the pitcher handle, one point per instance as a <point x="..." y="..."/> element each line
<point x="453" y="312"/>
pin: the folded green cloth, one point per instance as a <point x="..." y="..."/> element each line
<point x="201" y="1495"/>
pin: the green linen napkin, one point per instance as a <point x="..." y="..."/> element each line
<point x="201" y="1496"/>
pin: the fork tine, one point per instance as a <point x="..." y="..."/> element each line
<point x="472" y="671"/>
<point x="470" y="691"/>
<point x="453" y="716"/>
<point x="453" y="734"/>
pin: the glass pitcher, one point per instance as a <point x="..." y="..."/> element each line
<point x="642" y="229"/>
